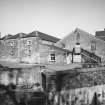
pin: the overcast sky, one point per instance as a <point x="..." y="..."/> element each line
<point x="54" y="17"/>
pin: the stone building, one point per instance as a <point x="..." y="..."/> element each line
<point x="89" y="45"/>
<point x="72" y="68"/>
<point x="35" y="47"/>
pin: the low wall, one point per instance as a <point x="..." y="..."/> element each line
<point x="82" y="86"/>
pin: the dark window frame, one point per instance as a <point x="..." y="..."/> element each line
<point x="52" y="57"/>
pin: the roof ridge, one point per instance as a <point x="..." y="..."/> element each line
<point x="90" y="35"/>
<point x="80" y="31"/>
<point x="48" y="35"/>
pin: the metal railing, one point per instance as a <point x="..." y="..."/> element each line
<point x="91" y="55"/>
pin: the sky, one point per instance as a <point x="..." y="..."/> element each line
<point x="54" y="17"/>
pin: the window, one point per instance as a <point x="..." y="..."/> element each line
<point x="28" y="52"/>
<point x="12" y="52"/>
<point x="12" y="43"/>
<point x="52" y="57"/>
<point x="28" y="47"/>
<point x="29" y="42"/>
<point x="12" y="48"/>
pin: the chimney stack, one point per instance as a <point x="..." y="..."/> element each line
<point x="77" y="49"/>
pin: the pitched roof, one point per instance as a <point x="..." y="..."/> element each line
<point x="6" y="37"/>
<point x="100" y="33"/>
<point x="59" y="48"/>
<point x="18" y="35"/>
<point x="85" y="42"/>
<point x="43" y="36"/>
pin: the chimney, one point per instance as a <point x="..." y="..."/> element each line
<point x="77" y="46"/>
<point x="77" y="49"/>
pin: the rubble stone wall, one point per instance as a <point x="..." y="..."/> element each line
<point x="84" y="79"/>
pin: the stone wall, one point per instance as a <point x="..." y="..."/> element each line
<point x="84" y="79"/>
<point x="80" y="87"/>
<point x="86" y="40"/>
<point x="30" y="50"/>
<point x="9" y="49"/>
<point x="45" y="50"/>
<point x="1" y="48"/>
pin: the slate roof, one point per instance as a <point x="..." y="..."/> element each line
<point x="41" y="35"/>
<point x="19" y="35"/>
<point x="59" y="48"/>
<point x="6" y="37"/>
<point x="100" y="34"/>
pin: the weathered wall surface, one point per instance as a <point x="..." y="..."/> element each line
<point x="31" y="50"/>
<point x="85" y="42"/>
<point x="84" y="79"/>
<point x="78" y="87"/>
<point x="22" y="78"/>
<point x="46" y="50"/>
<point x="81" y="87"/>
<point x="29" y="76"/>
<point x="28" y="50"/>
<point x="9" y="49"/>
<point x="84" y="96"/>
<point x="1" y="48"/>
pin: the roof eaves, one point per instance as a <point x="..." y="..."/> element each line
<point x="19" y="35"/>
<point x="31" y="34"/>
<point x="46" y="37"/>
<point x="65" y="50"/>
